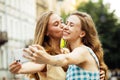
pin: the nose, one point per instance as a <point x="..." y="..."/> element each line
<point x="62" y="25"/>
<point x="65" y="27"/>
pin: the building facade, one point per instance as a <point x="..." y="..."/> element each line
<point x="48" y="5"/>
<point x="17" y="19"/>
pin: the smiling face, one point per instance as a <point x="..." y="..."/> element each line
<point x="72" y="30"/>
<point x="55" y="27"/>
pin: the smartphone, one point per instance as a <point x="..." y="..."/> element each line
<point x="18" y="56"/>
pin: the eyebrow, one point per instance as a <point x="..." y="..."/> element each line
<point x="69" y="22"/>
<point x="57" y="20"/>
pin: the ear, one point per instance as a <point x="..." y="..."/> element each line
<point x="82" y="34"/>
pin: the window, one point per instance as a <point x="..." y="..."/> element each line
<point x="0" y="23"/>
<point x="2" y="0"/>
<point x="1" y="59"/>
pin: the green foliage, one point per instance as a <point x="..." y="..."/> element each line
<point x="64" y="15"/>
<point x="108" y="29"/>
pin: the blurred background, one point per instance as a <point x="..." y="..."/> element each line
<point x="18" y="19"/>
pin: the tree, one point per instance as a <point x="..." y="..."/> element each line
<point x="108" y="30"/>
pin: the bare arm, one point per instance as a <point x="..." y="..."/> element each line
<point x="29" y="67"/>
<point x="75" y="57"/>
<point x="41" y="56"/>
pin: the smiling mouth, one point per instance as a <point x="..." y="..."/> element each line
<point x="65" y="33"/>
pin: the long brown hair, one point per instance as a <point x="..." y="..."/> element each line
<point x="40" y="36"/>
<point x="91" y="39"/>
<point x="41" y="29"/>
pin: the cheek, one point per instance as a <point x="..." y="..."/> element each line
<point x="76" y="32"/>
<point x="56" y="32"/>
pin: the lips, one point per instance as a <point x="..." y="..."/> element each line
<point x="65" y="33"/>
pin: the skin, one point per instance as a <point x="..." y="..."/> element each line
<point x="55" y="33"/>
<point x="72" y="33"/>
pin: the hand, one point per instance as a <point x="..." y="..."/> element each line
<point x="102" y="74"/>
<point x="37" y="54"/>
<point x="15" y="67"/>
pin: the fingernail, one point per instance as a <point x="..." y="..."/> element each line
<point x="17" y="60"/>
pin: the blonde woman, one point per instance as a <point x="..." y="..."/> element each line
<point x="86" y="54"/>
<point x="48" y="33"/>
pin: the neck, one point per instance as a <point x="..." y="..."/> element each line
<point x="55" y="44"/>
<point x="76" y="43"/>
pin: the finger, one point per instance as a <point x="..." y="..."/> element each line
<point x="102" y="78"/>
<point x="101" y="68"/>
<point x="102" y="75"/>
<point x="38" y="47"/>
<point x="33" y="49"/>
<point x="102" y="72"/>
<point x="15" y="70"/>
<point x="35" y="55"/>
<point x="27" y="50"/>
<point x="41" y="53"/>
<point x="29" y="57"/>
<point x="13" y="63"/>
<point x="14" y="66"/>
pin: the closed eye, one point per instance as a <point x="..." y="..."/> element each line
<point x="71" y="24"/>
<point x="56" y="23"/>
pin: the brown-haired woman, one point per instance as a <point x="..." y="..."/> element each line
<point x="86" y="54"/>
<point x="48" y="33"/>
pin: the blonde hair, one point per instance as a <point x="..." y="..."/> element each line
<point x="41" y="28"/>
<point x="91" y="38"/>
<point x="40" y="36"/>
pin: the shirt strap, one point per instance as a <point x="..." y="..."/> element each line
<point x="94" y="56"/>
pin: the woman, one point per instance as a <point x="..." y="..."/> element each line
<point x="48" y="33"/>
<point x="86" y="51"/>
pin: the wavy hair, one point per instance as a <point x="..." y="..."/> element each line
<point x="40" y="36"/>
<point x="91" y="39"/>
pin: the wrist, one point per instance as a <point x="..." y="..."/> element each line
<point x="52" y="60"/>
<point x="57" y="60"/>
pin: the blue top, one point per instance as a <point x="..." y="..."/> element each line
<point x="75" y="72"/>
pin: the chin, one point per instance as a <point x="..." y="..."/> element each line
<point x="65" y="38"/>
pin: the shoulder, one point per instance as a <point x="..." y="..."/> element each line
<point x="82" y="50"/>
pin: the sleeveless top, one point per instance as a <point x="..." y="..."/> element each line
<point x="75" y="72"/>
<point x="53" y="72"/>
<point x="56" y="72"/>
